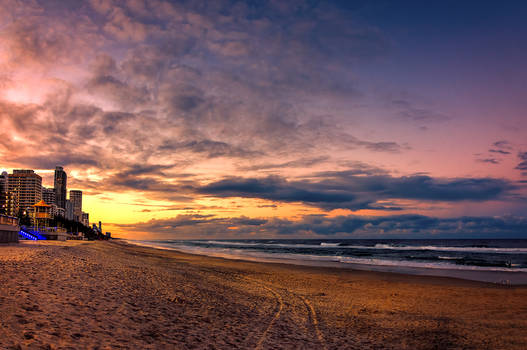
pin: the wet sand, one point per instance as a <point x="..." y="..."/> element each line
<point x="100" y="295"/>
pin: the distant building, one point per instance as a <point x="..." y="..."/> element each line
<point x="60" y="187"/>
<point x="8" y="201"/>
<point x="76" y="202"/>
<point x="86" y="219"/>
<point x="61" y="212"/>
<point x="8" y="204"/>
<point x="26" y="186"/>
<point x="3" y="182"/>
<point x="48" y="195"/>
<point x="68" y="212"/>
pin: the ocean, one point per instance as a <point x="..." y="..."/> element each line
<point x="501" y="261"/>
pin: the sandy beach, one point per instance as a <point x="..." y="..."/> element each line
<point x="101" y="295"/>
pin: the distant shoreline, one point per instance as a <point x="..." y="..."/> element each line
<point x="494" y="277"/>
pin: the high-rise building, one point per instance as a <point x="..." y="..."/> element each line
<point x="76" y="202"/>
<point x="48" y="195"/>
<point x="8" y="204"/>
<point x="60" y="187"/>
<point x="86" y="219"/>
<point x="6" y="198"/>
<point x="60" y="212"/>
<point x="26" y="186"/>
<point x="68" y="211"/>
<point x="3" y="182"/>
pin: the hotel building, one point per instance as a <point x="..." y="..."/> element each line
<point x="26" y="187"/>
<point x="60" y="187"/>
<point x="48" y="195"/>
<point x="76" y="202"/>
<point x="86" y="219"/>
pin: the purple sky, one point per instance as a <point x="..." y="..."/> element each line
<point x="273" y="119"/>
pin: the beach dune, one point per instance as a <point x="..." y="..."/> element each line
<point x="72" y="295"/>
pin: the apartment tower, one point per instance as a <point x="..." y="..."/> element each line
<point x="76" y="203"/>
<point x="60" y="187"/>
<point x="26" y="186"/>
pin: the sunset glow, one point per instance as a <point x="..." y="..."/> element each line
<point x="273" y="119"/>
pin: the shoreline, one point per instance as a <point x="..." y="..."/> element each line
<point x="333" y="268"/>
<point x="516" y="278"/>
<point x="119" y="295"/>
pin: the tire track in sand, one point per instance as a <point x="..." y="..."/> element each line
<point x="314" y="321"/>
<point x="310" y="318"/>
<point x="276" y="316"/>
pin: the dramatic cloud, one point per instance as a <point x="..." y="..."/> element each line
<point x="499" y="151"/>
<point x="523" y="162"/>
<point x="345" y="190"/>
<point x="489" y="160"/>
<point x="406" y="109"/>
<point x="400" y="226"/>
<point x="502" y="144"/>
<point x="222" y="106"/>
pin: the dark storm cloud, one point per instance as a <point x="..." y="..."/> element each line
<point x="139" y="169"/>
<point x="159" y="86"/>
<point x="345" y="190"/>
<point x="404" y="226"/>
<point x="523" y="162"/>
<point x="499" y="151"/>
<point x="407" y="110"/>
<point x="489" y="160"/>
<point x="381" y="146"/>
<point x="354" y="168"/>
<point x="109" y="86"/>
<point x="212" y="149"/>
<point x="278" y="189"/>
<point x="30" y="44"/>
<point x="502" y="144"/>
<point x="297" y="163"/>
<point x="184" y="71"/>
<point x="49" y="162"/>
<point x="196" y="224"/>
<point x="410" y="109"/>
<point x="152" y="187"/>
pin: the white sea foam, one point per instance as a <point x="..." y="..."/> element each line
<point x="453" y="249"/>
<point x="262" y="256"/>
<point x="448" y="257"/>
<point x="326" y="245"/>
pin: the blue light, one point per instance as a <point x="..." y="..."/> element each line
<point x="32" y="235"/>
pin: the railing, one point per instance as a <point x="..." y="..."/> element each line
<point x="27" y="235"/>
<point x="31" y="234"/>
<point x="8" y="220"/>
<point x="47" y="229"/>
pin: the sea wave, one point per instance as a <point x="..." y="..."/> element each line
<point x="453" y="249"/>
<point x="339" y="245"/>
<point x="325" y="244"/>
<point x="243" y="254"/>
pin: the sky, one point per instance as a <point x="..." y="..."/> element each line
<point x="273" y="119"/>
